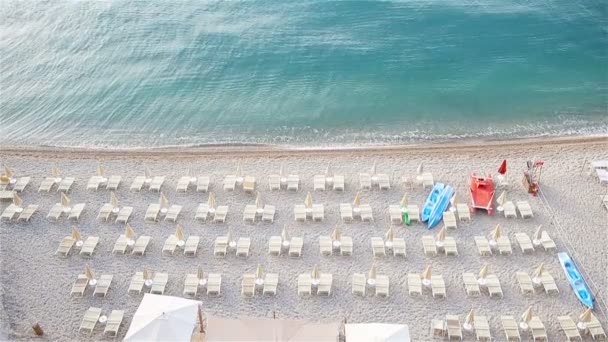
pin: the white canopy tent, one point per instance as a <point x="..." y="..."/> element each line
<point x="250" y="329"/>
<point x="163" y="318"/>
<point x="377" y="332"/>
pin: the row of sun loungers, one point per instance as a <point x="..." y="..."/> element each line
<point x="503" y="244"/>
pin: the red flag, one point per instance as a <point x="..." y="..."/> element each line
<point x="503" y="167"/>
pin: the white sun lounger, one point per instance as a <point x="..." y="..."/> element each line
<point x="395" y="214"/>
<point x="318" y="212"/>
<point x="124" y="214"/>
<point x="113" y="183"/>
<point x="113" y="323"/>
<point x="549" y="283"/>
<point x="191" y="285"/>
<point x="249" y="184"/>
<point x="399" y="247"/>
<point x="569" y="328"/>
<point x="482" y="328"/>
<point x="318" y="183"/>
<point x="299" y="212"/>
<point x="157" y="183"/>
<point x="6" y="195"/>
<point x="413" y="212"/>
<point x="429" y="246"/>
<point x="359" y="284"/>
<point x="509" y="210"/>
<point x="103" y="285"/>
<point x="384" y="182"/>
<point x="595" y="328"/>
<point x="137" y="283"/>
<point x="120" y="245"/>
<point x="202" y="183"/>
<point x="105" y="211"/>
<point x="271" y="282"/>
<point x="140" y="245"/>
<point x="493" y="285"/>
<point x="483" y="246"/>
<point x="268" y="213"/>
<point x="152" y="212"/>
<point x="304" y="284"/>
<point x="9" y="213"/>
<point x="248" y="285"/>
<point x="539" y="333"/>
<point x="229" y="183"/>
<point x="275" y="245"/>
<point x="220" y="246"/>
<point x="346" y="245"/>
<point x="76" y="211"/>
<point x="525" y="210"/>
<point x="365" y="181"/>
<point x="21" y="183"/>
<point x="55" y="212"/>
<point x="274" y="182"/>
<point x="94" y="183"/>
<point x="449" y="246"/>
<point x="524" y="242"/>
<point x="378" y="249"/>
<point x="47" y="184"/>
<point x="471" y="285"/>
<point x="525" y="282"/>
<point x="65" y="246"/>
<point x="191" y="245"/>
<point x="27" y="213"/>
<point x="414" y="284"/>
<point x="438" y="286"/>
<point x="449" y="220"/>
<point x="250" y="213"/>
<point x="509" y="326"/>
<point x="325" y="245"/>
<point x="182" y="184"/>
<point x="66" y="184"/>
<point x="170" y="245"/>
<point x="88" y="247"/>
<point x="80" y="285"/>
<point x="325" y="283"/>
<point x="338" y="182"/>
<point x="463" y="211"/>
<point x="452" y="323"/>
<point x="295" y="247"/>
<point x="504" y="245"/>
<point x="602" y="176"/>
<point x="242" y="247"/>
<point x="138" y="183"/>
<point x="547" y="242"/>
<point x="346" y="212"/>
<point x="366" y="213"/>
<point x="202" y="212"/>
<point x="214" y="284"/>
<point x="220" y="214"/>
<point x="382" y="286"/>
<point x="159" y="283"/>
<point x="173" y="213"/>
<point x="89" y="321"/>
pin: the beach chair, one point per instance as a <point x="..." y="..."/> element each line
<point x="91" y="316"/>
<point x="249" y="184"/>
<point x="449" y="246"/>
<point x="103" y="285"/>
<point x="438" y="286"/>
<point x="113" y="323"/>
<point x="493" y="285"/>
<point x="509" y="326"/>
<point x="242" y="247"/>
<point x="250" y="213"/>
<point x="27" y="213"/>
<point x="504" y="245"/>
<point x="325" y="245"/>
<point x="453" y="325"/>
<point x="304" y="284"/>
<point x="602" y="176"/>
<point x="47" y="184"/>
<point x="414" y="284"/>
<point x="248" y="285"/>
<point x="182" y="184"/>
<point x="152" y="212"/>
<point x="429" y="246"/>
<point x="509" y="210"/>
<point x="449" y="220"/>
<point x="378" y="249"/>
<point x="318" y="183"/>
<point x="65" y="246"/>
<point x="202" y="183"/>
<point x="21" y="183"/>
<point x="382" y="286"/>
<point x="274" y="182"/>
<point x="271" y="282"/>
<point x="365" y="181"/>
<point x="547" y="242"/>
<point x="438" y="328"/>
<point x="173" y="213"/>
<point x="170" y="245"/>
<point x="140" y="245"/>
<point x="214" y="284"/>
<point x="229" y="183"/>
<point x="569" y="328"/>
<point x="295" y="247"/>
<point x="346" y="245"/>
<point x="124" y="214"/>
<point x="395" y="214"/>
<point x="105" y="211"/>
<point x="66" y="184"/>
<point x="94" y="182"/>
<point x="338" y="183"/>
<point x="539" y="333"/>
<point x="413" y="212"/>
<point x="293" y="182"/>
<point x="525" y="210"/>
<point x="384" y="182"/>
<point x="549" y="283"/>
<point x="191" y="245"/>
<point x="275" y="245"/>
<point x="325" y="283"/>
<point x="427" y="180"/>
<point x="157" y="183"/>
<point x="220" y="246"/>
<point x="399" y="247"/>
<point x="220" y="214"/>
<point x="471" y="285"/>
<point x="595" y="328"/>
<point x="120" y="245"/>
<point x="268" y="213"/>
<point x="159" y="283"/>
<point x="191" y="285"/>
<point x="524" y="242"/>
<point x="80" y="285"/>
<point x="138" y="183"/>
<point x="113" y="183"/>
<point x="137" y="283"/>
<point x="463" y="211"/>
<point x="6" y="195"/>
<point x="359" y="284"/>
<point x="55" y="212"/>
<point x="525" y="282"/>
<point x="9" y="213"/>
<point x="76" y="211"/>
<point x="482" y="328"/>
<point x="483" y="246"/>
<point x="346" y="212"/>
<point x="318" y="212"/>
<point x="366" y="213"/>
<point x="299" y="212"/>
<point x="202" y="212"/>
<point x="88" y="247"/>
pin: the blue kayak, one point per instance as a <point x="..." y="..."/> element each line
<point x="442" y="204"/>
<point x="431" y="201"/>
<point x="576" y="280"/>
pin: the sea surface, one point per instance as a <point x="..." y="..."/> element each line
<point x="307" y="72"/>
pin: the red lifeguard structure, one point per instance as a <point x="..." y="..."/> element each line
<point x="482" y="193"/>
<point x="531" y="180"/>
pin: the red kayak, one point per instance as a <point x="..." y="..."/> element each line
<point x="482" y="193"/>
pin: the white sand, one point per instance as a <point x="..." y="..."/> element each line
<point x="36" y="283"/>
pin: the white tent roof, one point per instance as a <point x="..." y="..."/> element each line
<point x="251" y="329"/>
<point x="163" y="318"/>
<point x="377" y="332"/>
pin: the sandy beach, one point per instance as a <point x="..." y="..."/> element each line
<point x="36" y="283"/>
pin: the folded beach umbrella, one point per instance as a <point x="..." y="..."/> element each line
<point x="503" y="167"/>
<point x="65" y="200"/>
<point x="441" y="234"/>
<point x="281" y="170"/>
<point x="428" y="272"/>
<point x="496" y="232"/>
<point x="229" y="234"/>
<point x="538" y="233"/>
<point x="179" y="233"/>
<point x="470" y="318"/>
<point x="163" y="201"/>
<point x="258" y="200"/>
<point x="336" y="234"/>
<point x="284" y="235"/>
<point x="147" y="172"/>
<point x="453" y="200"/>
<point x="113" y="200"/>
<point x="239" y="170"/>
<point x="211" y="200"/>
<point x="373" y="171"/>
<point x="315" y="274"/>
<point x="199" y="272"/>
<point x="76" y="234"/>
<point x="357" y="201"/>
<point x="389" y="236"/>
<point x="100" y="169"/>
<point x="420" y="168"/>
<point x="259" y="272"/>
<point x="328" y="171"/>
<point x="527" y="315"/>
<point x="372" y="272"/>
<point x="403" y="203"/>
<point x="129" y="232"/>
<point x="585" y="316"/>
<point x="17" y="200"/>
<point x="538" y="272"/>
<point x="308" y="200"/>
<point x="502" y="198"/>
<point x="147" y="273"/>
<point x="483" y="273"/>
<point x="8" y="173"/>
<point x="89" y="272"/>
<point x="55" y="172"/>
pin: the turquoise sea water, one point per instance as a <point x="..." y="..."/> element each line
<point x="306" y="72"/>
